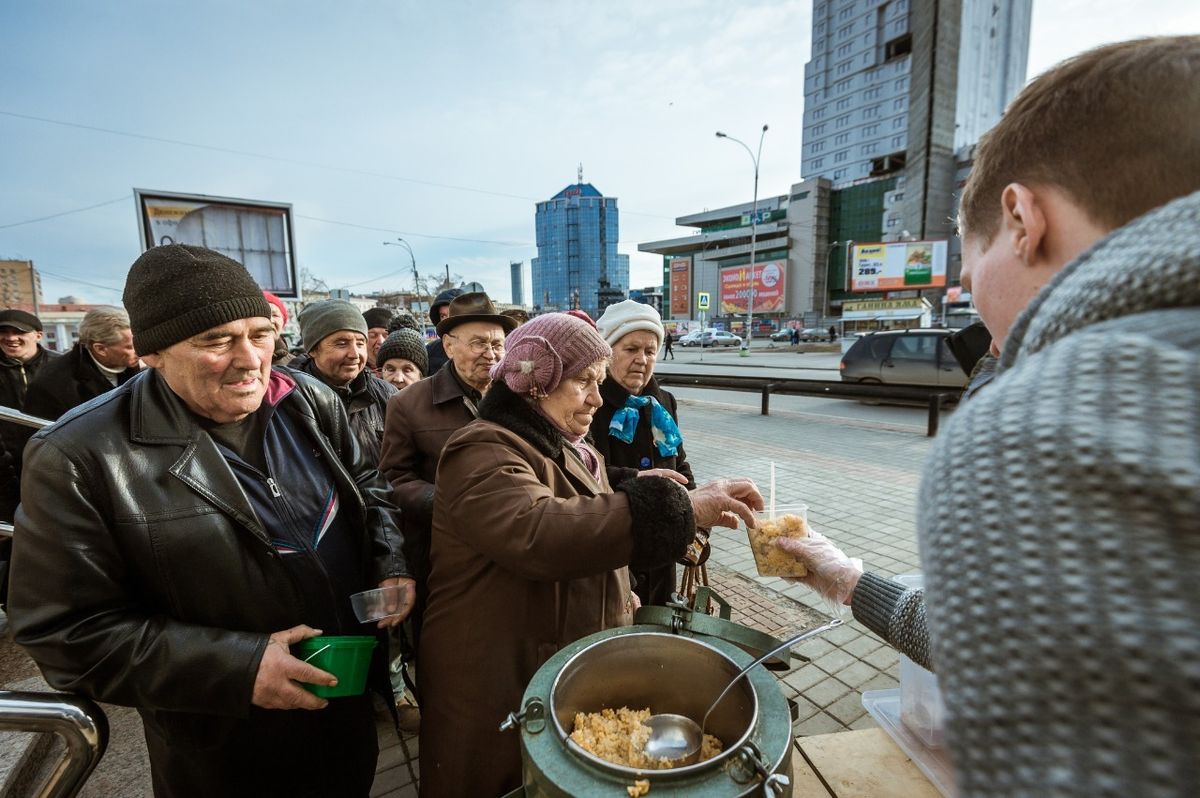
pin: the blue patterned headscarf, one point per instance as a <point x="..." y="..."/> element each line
<point x="662" y="427"/>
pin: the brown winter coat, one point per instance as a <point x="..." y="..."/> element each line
<point x="529" y="554"/>
<point x="420" y="419"/>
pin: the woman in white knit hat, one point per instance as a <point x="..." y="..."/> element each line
<point x="636" y="429"/>
<point x="530" y="548"/>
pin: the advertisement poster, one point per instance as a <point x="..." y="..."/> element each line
<point x="681" y="287"/>
<point x="768" y="288"/>
<point x="257" y="235"/>
<point x="899" y="266"/>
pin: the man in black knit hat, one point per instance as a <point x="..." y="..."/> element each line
<point x="177" y="537"/>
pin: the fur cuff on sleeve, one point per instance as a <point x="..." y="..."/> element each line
<point x="663" y="523"/>
<point x="618" y="474"/>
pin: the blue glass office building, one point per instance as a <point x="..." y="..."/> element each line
<point x="577" y="234"/>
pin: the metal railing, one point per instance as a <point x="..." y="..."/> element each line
<point x="17" y="417"/>
<point x="935" y="397"/>
<point x="79" y="722"/>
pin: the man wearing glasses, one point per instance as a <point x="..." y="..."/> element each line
<point x="422" y="417"/>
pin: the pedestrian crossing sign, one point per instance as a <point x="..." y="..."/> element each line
<point x="702" y="300"/>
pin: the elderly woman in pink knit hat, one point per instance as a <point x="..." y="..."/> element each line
<point x="532" y="546"/>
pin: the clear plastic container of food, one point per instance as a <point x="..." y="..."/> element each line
<point x="791" y="520"/>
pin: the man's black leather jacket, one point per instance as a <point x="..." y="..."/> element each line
<point x="141" y="574"/>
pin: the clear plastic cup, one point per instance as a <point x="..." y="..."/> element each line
<point x="791" y="520"/>
<point x="375" y="605"/>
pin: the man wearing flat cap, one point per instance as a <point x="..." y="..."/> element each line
<point x="21" y="354"/>
<point x="177" y="535"/>
<point x="22" y="357"/>
<point x="422" y="417"/>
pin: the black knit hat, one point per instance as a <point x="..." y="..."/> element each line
<point x="177" y="291"/>
<point x="377" y="317"/>
<point x="407" y="344"/>
<point x="402" y="320"/>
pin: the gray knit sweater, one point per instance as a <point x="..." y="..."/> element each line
<point x="1060" y="533"/>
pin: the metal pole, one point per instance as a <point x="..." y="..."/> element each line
<point x="935" y="412"/>
<point x="753" y="233"/>
<point x="413" y="258"/>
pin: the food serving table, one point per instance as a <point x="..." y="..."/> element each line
<point x="854" y="764"/>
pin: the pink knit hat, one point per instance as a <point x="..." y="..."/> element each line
<point x="539" y="353"/>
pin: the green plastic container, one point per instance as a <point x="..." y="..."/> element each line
<point x="347" y="658"/>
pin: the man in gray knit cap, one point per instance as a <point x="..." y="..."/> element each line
<point x="336" y="336"/>
<point x="1059" y="511"/>
<point x="180" y="534"/>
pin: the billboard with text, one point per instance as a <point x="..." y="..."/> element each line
<point x="256" y="234"/>
<point x="768" y="288"/>
<point x="681" y="287"/>
<point x="898" y="266"/>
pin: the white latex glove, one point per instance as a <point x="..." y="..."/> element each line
<point x="723" y="501"/>
<point x="831" y="574"/>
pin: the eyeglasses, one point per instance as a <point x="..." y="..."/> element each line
<point x="478" y="347"/>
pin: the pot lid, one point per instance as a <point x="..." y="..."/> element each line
<point x="680" y="618"/>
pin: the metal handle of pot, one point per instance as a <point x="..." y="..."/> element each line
<point x="532" y="718"/>
<point x="785" y="644"/>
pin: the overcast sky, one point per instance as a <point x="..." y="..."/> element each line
<point x="442" y="123"/>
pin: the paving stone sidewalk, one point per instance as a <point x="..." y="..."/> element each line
<point x="859" y="480"/>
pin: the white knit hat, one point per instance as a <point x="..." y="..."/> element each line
<point x="625" y="317"/>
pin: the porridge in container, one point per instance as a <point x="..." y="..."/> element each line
<point x="619" y="736"/>
<point x="791" y="520"/>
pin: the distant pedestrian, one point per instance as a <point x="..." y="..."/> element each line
<point x="668" y="352"/>
<point x="832" y="333"/>
<point x="795" y="336"/>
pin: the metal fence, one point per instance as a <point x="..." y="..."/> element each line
<point x="934" y="397"/>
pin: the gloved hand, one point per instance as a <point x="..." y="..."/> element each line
<point x="831" y="574"/>
<point x="722" y="501"/>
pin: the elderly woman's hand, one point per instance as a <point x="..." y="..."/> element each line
<point x="722" y="501"/>
<point x="665" y="473"/>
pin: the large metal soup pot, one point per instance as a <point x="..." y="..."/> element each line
<point x="667" y="668"/>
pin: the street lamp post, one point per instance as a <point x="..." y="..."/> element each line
<point x="753" y="233"/>
<point x="400" y="242"/>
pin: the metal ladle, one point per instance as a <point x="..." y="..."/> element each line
<point x="677" y="739"/>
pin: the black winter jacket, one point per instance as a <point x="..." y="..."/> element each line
<point x="623" y="460"/>
<point x="365" y="400"/>
<point x="67" y="382"/>
<point x="143" y="574"/>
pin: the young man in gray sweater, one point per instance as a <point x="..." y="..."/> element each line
<point x="1059" y="515"/>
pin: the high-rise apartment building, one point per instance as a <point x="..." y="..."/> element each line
<point x="20" y="285"/>
<point x="577" y="265"/>
<point x="896" y="87"/>
<point x="517" y="272"/>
